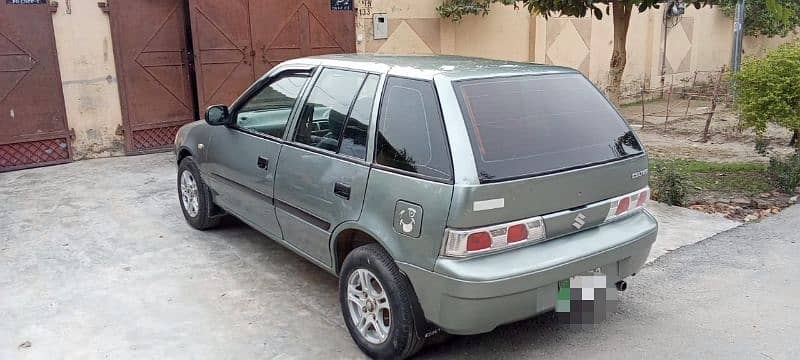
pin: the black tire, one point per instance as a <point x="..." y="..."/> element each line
<point x="403" y="339"/>
<point x="205" y="217"/>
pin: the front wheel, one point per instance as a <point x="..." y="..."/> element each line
<point x="194" y="196"/>
<point x="378" y="304"/>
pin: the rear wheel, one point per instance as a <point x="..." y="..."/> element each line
<point x="378" y="304"/>
<point x="195" y="197"/>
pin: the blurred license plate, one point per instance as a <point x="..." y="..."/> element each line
<point x="585" y="298"/>
<point x="587" y="282"/>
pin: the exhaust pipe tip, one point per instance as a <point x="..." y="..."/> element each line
<point x="622" y="285"/>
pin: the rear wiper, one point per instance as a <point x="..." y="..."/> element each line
<point x="622" y="145"/>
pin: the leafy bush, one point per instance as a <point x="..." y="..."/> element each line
<point x="668" y="184"/>
<point x="785" y="172"/>
<point x="762" y="145"/>
<point x="768" y="89"/>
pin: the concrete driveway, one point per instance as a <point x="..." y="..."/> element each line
<point x="96" y="261"/>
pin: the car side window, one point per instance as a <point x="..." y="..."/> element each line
<point x="324" y="114"/>
<point x="354" y="140"/>
<point x="267" y="112"/>
<point x="411" y="133"/>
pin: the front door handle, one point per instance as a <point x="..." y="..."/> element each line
<point x="342" y="190"/>
<point x="263" y="163"/>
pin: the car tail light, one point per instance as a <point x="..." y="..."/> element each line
<point x="479" y="241"/>
<point x="516" y="233"/>
<point x="460" y="243"/>
<point x="623" y="205"/>
<point x="627" y="204"/>
<point x="643" y="197"/>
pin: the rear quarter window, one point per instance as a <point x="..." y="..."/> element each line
<point x="411" y="133"/>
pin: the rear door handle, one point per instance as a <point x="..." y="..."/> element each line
<point x="263" y="163"/>
<point x="342" y="190"/>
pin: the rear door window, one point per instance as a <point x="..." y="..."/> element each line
<point x="324" y="114"/>
<point x="536" y="124"/>
<point x="411" y="134"/>
<point x="354" y="140"/>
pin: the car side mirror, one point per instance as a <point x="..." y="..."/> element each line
<point x="217" y="115"/>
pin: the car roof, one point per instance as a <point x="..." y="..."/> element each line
<point x="427" y="67"/>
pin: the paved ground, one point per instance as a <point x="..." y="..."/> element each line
<point x="681" y="226"/>
<point x="96" y="262"/>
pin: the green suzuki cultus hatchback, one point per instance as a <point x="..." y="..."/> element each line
<point x="448" y="194"/>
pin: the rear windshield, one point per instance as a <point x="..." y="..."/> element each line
<point x="537" y="124"/>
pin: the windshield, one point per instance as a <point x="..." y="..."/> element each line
<point x="537" y="124"/>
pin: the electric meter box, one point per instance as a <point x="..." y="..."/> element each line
<point x="380" y="26"/>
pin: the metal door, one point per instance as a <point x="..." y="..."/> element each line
<point x="155" y="85"/>
<point x="241" y="170"/>
<point x="237" y="41"/>
<point x="316" y="186"/>
<point x="241" y="158"/>
<point x="284" y="30"/>
<point x="33" y="126"/>
<point x="223" y="52"/>
<point x="313" y="194"/>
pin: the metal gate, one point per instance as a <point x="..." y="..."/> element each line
<point x="33" y="127"/>
<point x="163" y="79"/>
<point x="153" y="70"/>
<point x="236" y="41"/>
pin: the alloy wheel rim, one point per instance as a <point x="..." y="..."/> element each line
<point x="368" y="305"/>
<point x="189" y="194"/>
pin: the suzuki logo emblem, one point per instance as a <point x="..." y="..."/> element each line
<point x="580" y="220"/>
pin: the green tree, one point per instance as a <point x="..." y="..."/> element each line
<point x="768" y="90"/>
<point x="766" y="17"/>
<point x="620" y="12"/>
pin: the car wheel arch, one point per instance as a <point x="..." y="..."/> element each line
<point x="183" y="153"/>
<point x="342" y="243"/>
<point x="349" y="236"/>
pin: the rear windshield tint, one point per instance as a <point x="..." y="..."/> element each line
<point x="537" y="124"/>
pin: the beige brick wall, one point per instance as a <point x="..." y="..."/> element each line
<point x="699" y="40"/>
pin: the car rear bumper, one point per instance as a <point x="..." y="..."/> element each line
<point x="471" y="296"/>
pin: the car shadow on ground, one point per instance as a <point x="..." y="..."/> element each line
<point x="273" y="256"/>
<point x="542" y="336"/>
<point x="522" y="333"/>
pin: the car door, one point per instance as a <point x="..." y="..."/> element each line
<point x="242" y="157"/>
<point x="322" y="171"/>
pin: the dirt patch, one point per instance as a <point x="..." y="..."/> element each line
<point x="739" y="189"/>
<point x="681" y="136"/>
<point x="743" y="208"/>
